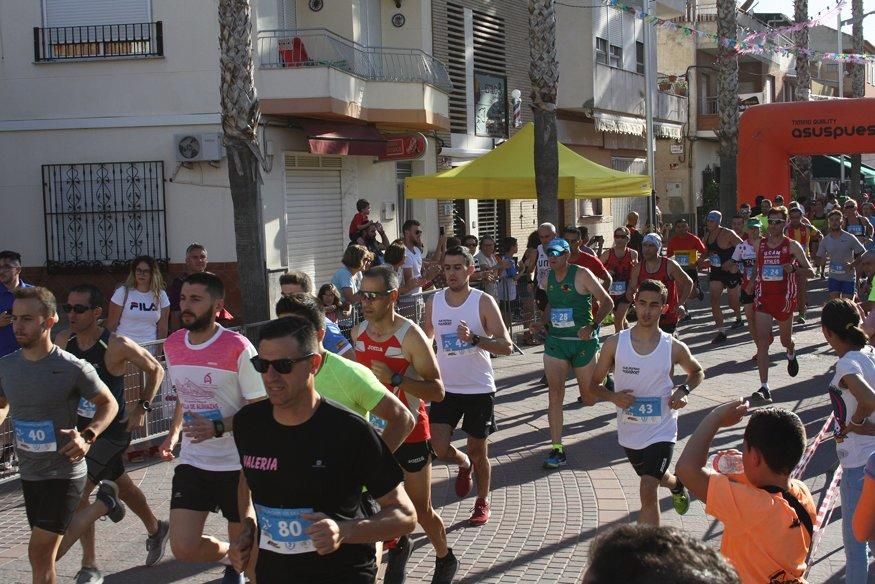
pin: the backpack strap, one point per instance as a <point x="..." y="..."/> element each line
<point x="801" y="512"/>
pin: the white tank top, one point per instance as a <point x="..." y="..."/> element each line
<point x="464" y="368"/>
<point x="543" y="268"/>
<point x="649" y="419"/>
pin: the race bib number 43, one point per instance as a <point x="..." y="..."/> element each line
<point x="35" y="436"/>
<point x="453" y="346"/>
<point x="283" y="531"/>
<point x="645" y="410"/>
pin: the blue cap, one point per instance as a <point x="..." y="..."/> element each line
<point x="559" y="245"/>
<point x="714" y="216"/>
<point x="652" y="239"/>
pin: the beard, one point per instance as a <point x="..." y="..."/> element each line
<point x="200" y="323"/>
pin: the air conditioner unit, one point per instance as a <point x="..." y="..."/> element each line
<point x="197" y="147"/>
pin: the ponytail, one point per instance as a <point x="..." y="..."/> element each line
<point x="841" y="318"/>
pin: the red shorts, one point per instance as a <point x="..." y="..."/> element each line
<point x="778" y="307"/>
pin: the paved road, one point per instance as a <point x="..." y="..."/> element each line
<point x="542" y="522"/>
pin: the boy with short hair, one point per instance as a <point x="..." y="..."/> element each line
<point x="360" y="220"/>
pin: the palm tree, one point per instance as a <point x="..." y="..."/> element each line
<point x="802" y="164"/>
<point x="240" y="116"/>
<point x="727" y="105"/>
<point x="544" y="75"/>
<point x="858" y="81"/>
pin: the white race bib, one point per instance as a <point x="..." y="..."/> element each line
<point x="645" y="410"/>
<point x="562" y="317"/>
<point x="35" y="436"/>
<point x="283" y="531"/>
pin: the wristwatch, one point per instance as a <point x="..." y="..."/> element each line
<point x="684" y="388"/>
<point x="397" y="380"/>
<point x="88" y="435"/>
<point x="475" y="340"/>
<point x="145" y="404"/>
<point x="219" y="427"/>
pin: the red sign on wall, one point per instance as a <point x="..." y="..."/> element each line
<point x="405" y="147"/>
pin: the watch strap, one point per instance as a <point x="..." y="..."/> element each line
<point x="219" y="427"/>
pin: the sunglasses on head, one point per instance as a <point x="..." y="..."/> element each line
<point x="374" y="295"/>
<point x="77" y="308"/>
<point x="775" y="221"/>
<point x="281" y="366"/>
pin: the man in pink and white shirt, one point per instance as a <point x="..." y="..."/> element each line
<point x="211" y="372"/>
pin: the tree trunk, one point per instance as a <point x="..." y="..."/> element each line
<point x="240" y="115"/>
<point x="802" y="164"/>
<point x="544" y="75"/>
<point x="727" y="106"/>
<point x="858" y="81"/>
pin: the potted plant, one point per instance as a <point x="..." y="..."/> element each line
<point x="664" y="84"/>
<point x="680" y="87"/>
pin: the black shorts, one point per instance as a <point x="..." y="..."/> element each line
<point x="652" y="460"/>
<point x="729" y="280"/>
<point x="106" y="456"/>
<point x="414" y="456"/>
<point x="206" y="490"/>
<point x="693" y="273"/>
<point x="51" y="503"/>
<point x="274" y="567"/>
<point x="541" y="299"/>
<point x="476" y="409"/>
<point x="746" y="298"/>
<point x="668" y="327"/>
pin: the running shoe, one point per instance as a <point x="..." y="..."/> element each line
<point x="464" y="482"/>
<point x="89" y="576"/>
<point x="719" y="338"/>
<point x="481" y="513"/>
<point x="556" y="459"/>
<point x="396" y="565"/>
<point x="793" y="366"/>
<point x="107" y="493"/>
<point x="232" y="577"/>
<point x="681" y="501"/>
<point x="157" y="543"/>
<point x="758" y="398"/>
<point x="737" y="324"/>
<point x="800" y="319"/>
<point x="445" y="568"/>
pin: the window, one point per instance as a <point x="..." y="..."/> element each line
<point x="589" y="207"/>
<point x="616" y="56"/>
<point x="97" y="215"/>
<point x="639" y="57"/>
<point x="601" y="51"/>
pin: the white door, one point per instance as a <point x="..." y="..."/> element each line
<point x="315" y="234"/>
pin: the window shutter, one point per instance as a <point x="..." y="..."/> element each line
<point x="95" y="12"/>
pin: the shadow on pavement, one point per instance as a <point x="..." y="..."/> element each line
<point x="166" y="572"/>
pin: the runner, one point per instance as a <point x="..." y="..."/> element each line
<point x="843" y="251"/>
<point x="300" y="283"/>
<point x="721" y="243"/>
<point x="805" y="235"/>
<point x="778" y="260"/>
<point x="40" y="386"/>
<point x="572" y="336"/>
<point x="468" y="327"/>
<point x="110" y="354"/>
<point x="856" y="224"/>
<point x="667" y="271"/>
<point x="643" y="360"/>
<point x="685" y="248"/>
<point x="304" y="462"/>
<point x="619" y="260"/>
<point x="209" y="367"/>
<point x="744" y="259"/>
<point x="401" y="357"/>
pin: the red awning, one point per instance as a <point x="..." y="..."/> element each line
<point x="344" y="139"/>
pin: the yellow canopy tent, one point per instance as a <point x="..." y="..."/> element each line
<point x="508" y="172"/>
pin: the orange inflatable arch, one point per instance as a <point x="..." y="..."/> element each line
<point x="770" y="134"/>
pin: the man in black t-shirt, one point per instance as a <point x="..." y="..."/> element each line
<point x="305" y="462"/>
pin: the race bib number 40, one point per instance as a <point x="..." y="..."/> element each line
<point x="773" y="273"/>
<point x="562" y="317"/>
<point x="645" y="410"/>
<point x="283" y="531"/>
<point x="35" y="436"/>
<point x="453" y="346"/>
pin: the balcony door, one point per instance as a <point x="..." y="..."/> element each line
<point x="287" y="18"/>
<point x="58" y="13"/>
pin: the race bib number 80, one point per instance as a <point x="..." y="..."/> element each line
<point x="283" y="531"/>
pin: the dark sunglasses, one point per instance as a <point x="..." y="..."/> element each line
<point x="374" y="295"/>
<point x="849" y="208"/>
<point x="775" y="221"/>
<point x="77" y="308"/>
<point x="281" y="366"/>
<point x="554" y="253"/>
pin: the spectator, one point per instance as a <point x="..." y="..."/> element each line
<point x="395" y="256"/>
<point x="410" y="303"/>
<point x="10" y="279"/>
<point x="296" y="282"/>
<point x="489" y="265"/>
<point x="195" y="261"/>
<point x="470" y="243"/>
<point x="636" y="238"/>
<point x="348" y="277"/>
<point x="507" y="284"/>
<point x="853" y="401"/>
<point x="368" y="238"/>
<point x="648" y="554"/>
<point x="329" y="297"/>
<point x="525" y="285"/>
<point x="139" y="308"/>
<point x="767" y="516"/>
<point x="293" y="286"/>
<point x="360" y="220"/>
<point x="585" y="241"/>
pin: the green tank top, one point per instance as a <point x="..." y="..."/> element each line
<point x="819" y="224"/>
<point x="570" y="310"/>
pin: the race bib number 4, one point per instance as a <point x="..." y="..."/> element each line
<point x="86" y="409"/>
<point x="715" y="260"/>
<point x="562" y="317"/>
<point x="773" y="273"/>
<point x="283" y="531"/>
<point x="35" y="436"/>
<point x="645" y="410"/>
<point x="618" y="288"/>
<point x="453" y="346"/>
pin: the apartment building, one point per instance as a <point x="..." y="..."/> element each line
<point x="111" y="140"/>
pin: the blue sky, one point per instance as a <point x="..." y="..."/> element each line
<point x="815" y="6"/>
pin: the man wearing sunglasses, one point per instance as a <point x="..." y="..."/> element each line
<point x="305" y="461"/>
<point x="10" y="279"/>
<point x="619" y="260"/>
<point x="211" y="371"/>
<point x="800" y="229"/>
<point x="856" y="224"/>
<point x="401" y="357"/>
<point x="779" y="260"/>
<point x="110" y="354"/>
<point x="572" y="335"/>
<point x="468" y="326"/>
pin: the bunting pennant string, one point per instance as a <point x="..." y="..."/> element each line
<point x="745" y="46"/>
<point x="819" y="18"/>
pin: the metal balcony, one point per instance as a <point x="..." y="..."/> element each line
<point x="316" y="47"/>
<point x="105" y="41"/>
